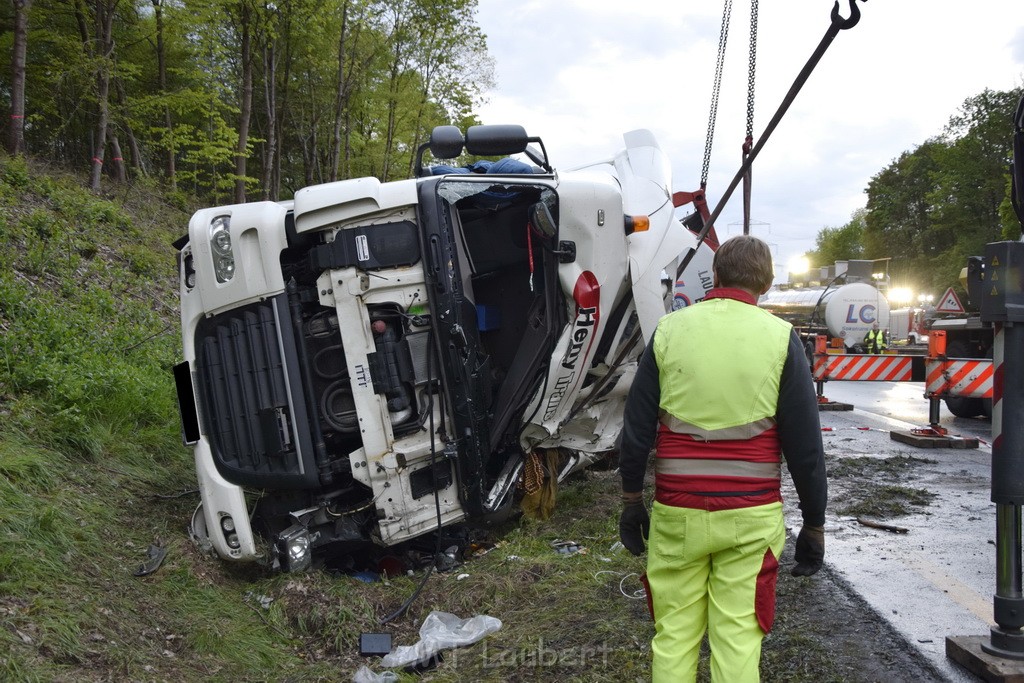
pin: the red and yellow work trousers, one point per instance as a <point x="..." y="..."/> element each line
<point x="713" y="572"/>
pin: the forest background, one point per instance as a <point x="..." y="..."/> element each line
<point x="234" y="100"/>
<point x="120" y="118"/>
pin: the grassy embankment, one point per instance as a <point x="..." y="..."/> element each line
<point x="92" y="472"/>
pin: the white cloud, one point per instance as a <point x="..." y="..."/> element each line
<point x="579" y="73"/>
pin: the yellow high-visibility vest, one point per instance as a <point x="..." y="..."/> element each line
<point x="720" y="364"/>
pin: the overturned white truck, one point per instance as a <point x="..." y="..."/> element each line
<point x="374" y="361"/>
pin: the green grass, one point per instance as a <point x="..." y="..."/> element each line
<point x="91" y="460"/>
<point x="92" y="472"/>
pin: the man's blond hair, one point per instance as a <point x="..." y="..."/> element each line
<point x="744" y="261"/>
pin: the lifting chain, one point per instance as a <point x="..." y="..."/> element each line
<point x="748" y="142"/>
<point x="837" y="24"/>
<point x="751" y="64"/>
<point x="723" y="38"/>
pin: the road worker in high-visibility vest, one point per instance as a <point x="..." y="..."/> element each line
<point x="722" y="392"/>
<point x="876" y="340"/>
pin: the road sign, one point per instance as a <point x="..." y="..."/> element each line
<point x="949" y="303"/>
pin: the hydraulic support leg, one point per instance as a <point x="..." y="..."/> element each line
<point x="1007" y="638"/>
<point x="933" y="428"/>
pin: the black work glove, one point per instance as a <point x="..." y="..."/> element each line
<point x="634" y="524"/>
<point x="810" y="550"/>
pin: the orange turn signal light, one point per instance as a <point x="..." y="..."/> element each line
<point x="637" y="224"/>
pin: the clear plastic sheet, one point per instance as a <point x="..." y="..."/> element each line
<point x="441" y="631"/>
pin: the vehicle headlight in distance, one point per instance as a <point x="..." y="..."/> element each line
<point x="220" y="246"/>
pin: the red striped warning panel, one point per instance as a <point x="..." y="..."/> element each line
<point x="862" y="368"/>
<point x="968" y="378"/>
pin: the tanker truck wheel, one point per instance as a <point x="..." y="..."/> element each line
<point x="986" y="407"/>
<point x="809" y="352"/>
<point x="959" y="405"/>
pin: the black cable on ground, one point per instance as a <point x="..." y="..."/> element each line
<point x="437" y="500"/>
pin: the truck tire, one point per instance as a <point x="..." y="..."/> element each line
<point x="962" y="406"/>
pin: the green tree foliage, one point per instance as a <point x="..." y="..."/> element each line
<point x="943" y="201"/>
<point x="228" y="95"/>
<point x="839" y="244"/>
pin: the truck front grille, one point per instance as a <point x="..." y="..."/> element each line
<point x="252" y="405"/>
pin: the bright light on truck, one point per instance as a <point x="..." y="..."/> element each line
<point x="901" y="296"/>
<point x="798" y="265"/>
<point x="298" y="553"/>
<point x="220" y="246"/>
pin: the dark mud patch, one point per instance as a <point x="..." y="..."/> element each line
<point x="876" y="486"/>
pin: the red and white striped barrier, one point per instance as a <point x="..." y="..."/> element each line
<point x="970" y="378"/>
<point x="963" y="377"/>
<point x="849" y="367"/>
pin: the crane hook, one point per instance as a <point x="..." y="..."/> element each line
<point x="854" y="15"/>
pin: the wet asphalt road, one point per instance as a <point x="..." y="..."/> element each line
<point x="938" y="579"/>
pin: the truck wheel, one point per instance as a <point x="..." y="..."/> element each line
<point x="959" y="405"/>
<point x="964" y="407"/>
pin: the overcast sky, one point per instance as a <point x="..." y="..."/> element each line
<point x="580" y="73"/>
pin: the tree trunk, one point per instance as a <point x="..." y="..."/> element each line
<point x="270" y="93"/>
<point x="245" y="105"/>
<point x="115" y="147"/>
<point x="16" y="131"/>
<point x="104" y="36"/>
<point x="136" y="160"/>
<point x="346" y="165"/>
<point x="283" y="107"/>
<point x="340" y="97"/>
<point x="394" y="76"/>
<point x="389" y="138"/>
<point x="161" y="64"/>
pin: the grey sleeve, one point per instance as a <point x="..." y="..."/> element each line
<point x="640" y="422"/>
<point x="800" y="434"/>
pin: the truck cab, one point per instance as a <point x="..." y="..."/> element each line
<point x="374" y="361"/>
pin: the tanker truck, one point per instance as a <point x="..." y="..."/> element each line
<point x="844" y="309"/>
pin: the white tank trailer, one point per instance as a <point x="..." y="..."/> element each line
<point x="845" y="312"/>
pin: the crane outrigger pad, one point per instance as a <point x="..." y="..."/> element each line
<point x="934" y="440"/>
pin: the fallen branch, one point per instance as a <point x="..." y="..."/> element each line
<point x="883" y="527"/>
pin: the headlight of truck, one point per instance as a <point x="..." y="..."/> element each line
<point x="220" y="246"/>
<point x="294" y="548"/>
